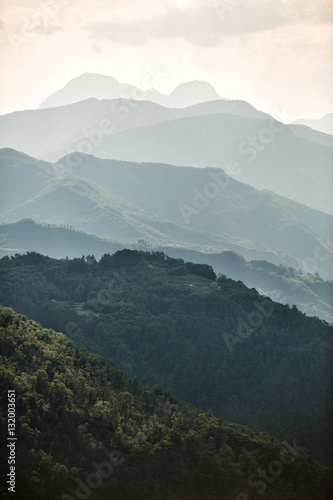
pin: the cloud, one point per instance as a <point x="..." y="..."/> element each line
<point x="194" y="25"/>
<point x="45" y="29"/>
<point x="206" y="23"/>
<point x="200" y="22"/>
<point x="45" y="17"/>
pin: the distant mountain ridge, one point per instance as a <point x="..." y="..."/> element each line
<point x="294" y="161"/>
<point x="157" y="202"/>
<point x="309" y="293"/>
<point x="57" y="131"/>
<point x="281" y="162"/>
<point x="324" y="124"/>
<point x="98" y="86"/>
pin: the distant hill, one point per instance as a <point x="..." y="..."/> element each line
<point x="312" y="135"/>
<point x="54" y="241"/>
<point x="189" y="93"/>
<point x="129" y="201"/>
<point x="213" y="342"/>
<point x="83" y="204"/>
<point x="309" y="293"/>
<point x="237" y="210"/>
<point x="84" y="427"/>
<point x="324" y="124"/>
<point x="107" y="87"/>
<point x="58" y="131"/>
<point x="294" y="162"/>
<point x="284" y="163"/>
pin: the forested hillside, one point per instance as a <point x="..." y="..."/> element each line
<point x="166" y="251"/>
<point x="215" y="343"/>
<point x="310" y="293"/>
<point x="85" y="430"/>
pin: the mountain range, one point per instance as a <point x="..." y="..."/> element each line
<point x="57" y="131"/>
<point x="311" y="294"/>
<point x="212" y="341"/>
<point x="324" y="124"/>
<point x="167" y="205"/>
<point x="188" y="240"/>
<point x="92" y="85"/>
<point x="232" y="135"/>
<point x="259" y="152"/>
<point x="107" y="87"/>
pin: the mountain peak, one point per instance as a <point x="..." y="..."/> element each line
<point x="198" y="85"/>
<point x="195" y="91"/>
<point x="89" y="85"/>
<point x="84" y="87"/>
<point x="94" y="77"/>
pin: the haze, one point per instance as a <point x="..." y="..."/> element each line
<point x="276" y="54"/>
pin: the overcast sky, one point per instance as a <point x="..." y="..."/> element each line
<point x="276" y="54"/>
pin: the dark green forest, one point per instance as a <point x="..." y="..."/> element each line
<point x="86" y="430"/>
<point x="212" y="341"/>
<point x="311" y="294"/>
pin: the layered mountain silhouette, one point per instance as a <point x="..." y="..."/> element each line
<point x="54" y="241"/>
<point x="309" y="293"/>
<point x="308" y="133"/>
<point x="107" y="87"/>
<point x="251" y="146"/>
<point x="167" y="205"/>
<point x="161" y="201"/>
<point x="58" y="131"/>
<point x="324" y="124"/>
<point x="246" y="147"/>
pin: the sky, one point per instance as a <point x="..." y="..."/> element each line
<point x="276" y="54"/>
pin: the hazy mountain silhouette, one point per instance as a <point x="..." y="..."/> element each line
<point x="167" y="205"/>
<point x="281" y="162"/>
<point x="54" y="241"/>
<point x="324" y="124"/>
<point x="312" y="135"/>
<point x="57" y="131"/>
<point x="294" y="162"/>
<point x="107" y="87"/>
<point x="189" y="93"/>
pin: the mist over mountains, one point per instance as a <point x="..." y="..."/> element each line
<point x="155" y="230"/>
<point x="102" y="87"/>
<point x="324" y="124"/>
<point x="165" y="205"/>
<point x="107" y="87"/>
<point x="257" y="152"/>
<point x="311" y="294"/>
<point x="57" y="131"/>
<point x="232" y="135"/>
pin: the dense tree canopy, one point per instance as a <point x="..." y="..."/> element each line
<point x="86" y="430"/>
<point x="215" y="343"/>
